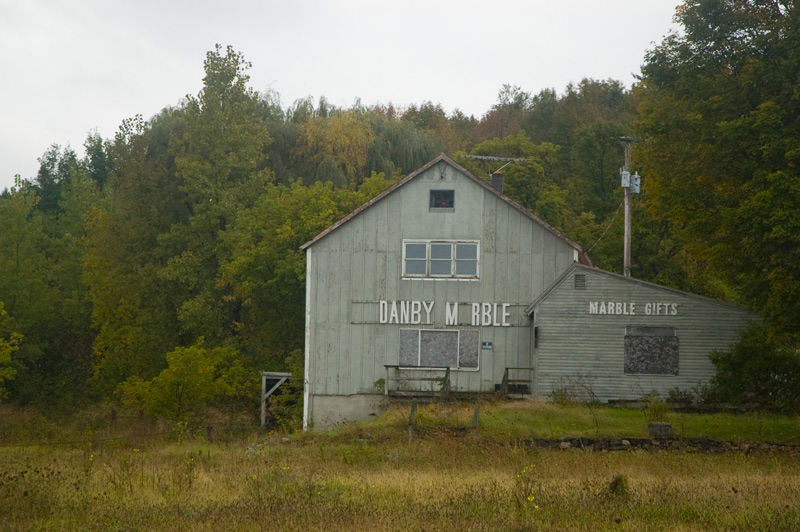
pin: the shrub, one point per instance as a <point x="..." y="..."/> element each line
<point x="619" y="486"/>
<point x="656" y="411"/>
<point x="286" y="406"/>
<point x="681" y="397"/>
<point x="759" y="370"/>
<point x="7" y="347"/>
<point x="196" y="378"/>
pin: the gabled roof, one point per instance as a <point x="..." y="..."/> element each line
<point x="584" y="258"/>
<point x="580" y="267"/>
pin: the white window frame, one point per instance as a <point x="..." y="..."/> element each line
<point x="452" y="275"/>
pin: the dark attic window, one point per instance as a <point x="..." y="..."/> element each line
<point x="580" y="281"/>
<point x="442" y="200"/>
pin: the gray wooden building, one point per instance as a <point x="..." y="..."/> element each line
<point x="442" y="283"/>
<point x="602" y="336"/>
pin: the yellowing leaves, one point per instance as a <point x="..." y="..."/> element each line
<point x="338" y="144"/>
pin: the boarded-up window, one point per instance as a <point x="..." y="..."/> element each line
<point x="651" y="350"/>
<point x="438" y="348"/>
<point x="457" y="349"/>
<point x="409" y="347"/>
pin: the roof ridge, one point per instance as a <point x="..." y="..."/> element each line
<point x="442" y="157"/>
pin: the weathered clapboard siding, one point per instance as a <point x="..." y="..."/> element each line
<point x="357" y="263"/>
<point x="584" y="352"/>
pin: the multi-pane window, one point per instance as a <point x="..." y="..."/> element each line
<point x="440" y="259"/>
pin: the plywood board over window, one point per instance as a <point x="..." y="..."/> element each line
<point x="456" y="349"/>
<point x="651" y="351"/>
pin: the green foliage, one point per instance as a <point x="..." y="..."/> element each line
<point x="175" y="230"/>
<point x="133" y="308"/>
<point x="719" y="107"/>
<point x="759" y="370"/>
<point x="678" y="396"/>
<point x="656" y="409"/>
<point x="619" y="486"/>
<point x="56" y="166"/>
<point x="266" y="271"/>
<point x="7" y="347"/>
<point x="40" y="254"/>
<point x="338" y="145"/>
<point x="219" y="158"/>
<point x="196" y="378"/>
<point x="596" y="159"/>
<point x="286" y="406"/>
<point x="534" y="183"/>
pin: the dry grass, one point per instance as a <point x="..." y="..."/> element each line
<point x="368" y="477"/>
<point x="458" y="482"/>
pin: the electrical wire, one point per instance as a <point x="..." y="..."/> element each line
<point x="607" y="228"/>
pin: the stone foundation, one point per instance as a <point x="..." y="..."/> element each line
<point x="331" y="410"/>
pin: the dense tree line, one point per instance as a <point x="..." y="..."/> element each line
<point x="720" y="108"/>
<point x="177" y="241"/>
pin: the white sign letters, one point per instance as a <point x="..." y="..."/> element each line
<point x="628" y="308"/>
<point x="419" y="312"/>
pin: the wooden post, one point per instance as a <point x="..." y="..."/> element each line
<point x="412" y="419"/>
<point x="263" y="400"/>
<point x="477" y="413"/>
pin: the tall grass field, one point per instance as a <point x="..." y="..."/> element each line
<point x="450" y="476"/>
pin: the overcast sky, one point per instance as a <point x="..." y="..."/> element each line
<point x="72" y="67"/>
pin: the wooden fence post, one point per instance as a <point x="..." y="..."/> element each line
<point x="412" y="419"/>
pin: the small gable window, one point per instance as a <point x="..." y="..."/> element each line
<point x="442" y="200"/>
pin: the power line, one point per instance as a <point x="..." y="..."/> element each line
<point x="607" y="228"/>
<point x="501" y="159"/>
<point x="492" y="158"/>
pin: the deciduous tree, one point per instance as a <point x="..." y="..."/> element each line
<point x="721" y="111"/>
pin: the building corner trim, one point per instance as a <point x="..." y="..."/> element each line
<point x="307" y="348"/>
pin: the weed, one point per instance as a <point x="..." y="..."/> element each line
<point x="656" y="410"/>
<point x="619" y="486"/>
<point x="525" y="489"/>
<point x="680" y="397"/>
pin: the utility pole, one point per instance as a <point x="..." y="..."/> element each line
<point x="631" y="185"/>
